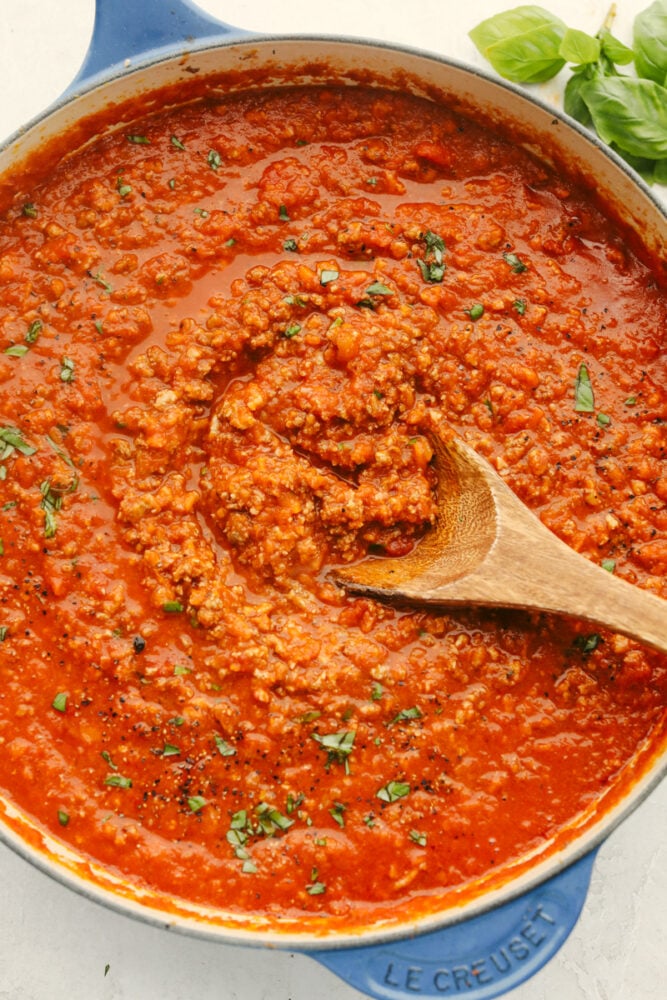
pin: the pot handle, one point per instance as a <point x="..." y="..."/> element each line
<point x="479" y="958"/>
<point x="127" y="29"/>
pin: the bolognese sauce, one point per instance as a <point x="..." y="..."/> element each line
<point x="227" y="334"/>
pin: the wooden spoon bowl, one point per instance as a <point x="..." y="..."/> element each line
<point x="487" y="549"/>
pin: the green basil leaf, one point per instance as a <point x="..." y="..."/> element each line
<point x="172" y="607"/>
<point x="60" y="701"/>
<point x="614" y="50"/>
<point x="579" y="47"/>
<point x="630" y="113"/>
<point x="522" y="44"/>
<point x="316" y="889"/>
<point x="12" y="438"/>
<point x="660" y="173"/>
<point x="393" y="791"/>
<point x="573" y="103"/>
<point x="118" y="781"/>
<point x="584" y="401"/>
<point x="650" y="42"/>
<point x="224" y="749"/>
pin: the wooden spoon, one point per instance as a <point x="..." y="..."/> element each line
<point x="488" y="549"/>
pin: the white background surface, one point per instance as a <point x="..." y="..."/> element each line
<point x="55" y="945"/>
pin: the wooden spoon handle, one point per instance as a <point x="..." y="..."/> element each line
<point x="528" y="567"/>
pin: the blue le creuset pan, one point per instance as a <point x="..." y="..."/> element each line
<point x="491" y="944"/>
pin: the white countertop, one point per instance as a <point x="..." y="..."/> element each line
<point x="55" y="945"/>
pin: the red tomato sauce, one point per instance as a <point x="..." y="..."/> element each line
<point x="226" y="335"/>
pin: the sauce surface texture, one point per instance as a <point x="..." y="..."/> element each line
<point x="226" y="334"/>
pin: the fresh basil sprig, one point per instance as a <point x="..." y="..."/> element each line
<point x="629" y="113"/>
<point x="523" y="44"/>
<point x="650" y="42"/>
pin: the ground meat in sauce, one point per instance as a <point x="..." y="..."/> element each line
<point x="228" y="336"/>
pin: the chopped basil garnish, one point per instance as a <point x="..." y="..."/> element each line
<point x="60" y="701"/>
<point x="291" y="245"/>
<point x="515" y="263"/>
<point x="292" y="330"/>
<point x="609" y="565"/>
<point x="520" y="306"/>
<point x="283" y="214"/>
<point x="584" y="401"/>
<point x="315" y="888"/>
<point x="603" y="419"/>
<point x="4" y="631"/>
<point x="418" y="838"/>
<point x="432" y="266"/>
<point x="406" y="715"/>
<point x="34" y="331"/>
<point x="393" y="791"/>
<point x="169" y="750"/>
<point x="214" y="159"/>
<point x="105" y="755"/>
<point x="224" y="749"/>
<point x="376" y="691"/>
<point x="631" y="401"/>
<point x="337" y="811"/>
<point x="66" y="370"/>
<point x="339" y="746"/>
<point x="309" y="716"/>
<point x="63" y="817"/>
<point x="196" y="803"/>
<point x="328" y="275"/>
<point x="296" y="300"/>
<point x="172" y="607"/>
<point x="431" y="272"/>
<point x="117" y="781"/>
<point x="294" y="803"/>
<point x="51" y="503"/>
<point x="181" y="671"/>
<point x="101" y="281"/>
<point x="271" y="820"/>
<point x="123" y="188"/>
<point x="435" y="244"/>
<point x="138" y="140"/>
<point x="16" y="350"/>
<point x="475" y="312"/>
<point x="12" y="440"/>
<point x="29" y="210"/>
<point x="201" y="212"/>
<point x="377" y="288"/>
<point x="176" y="142"/>
<point x="588" y="643"/>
